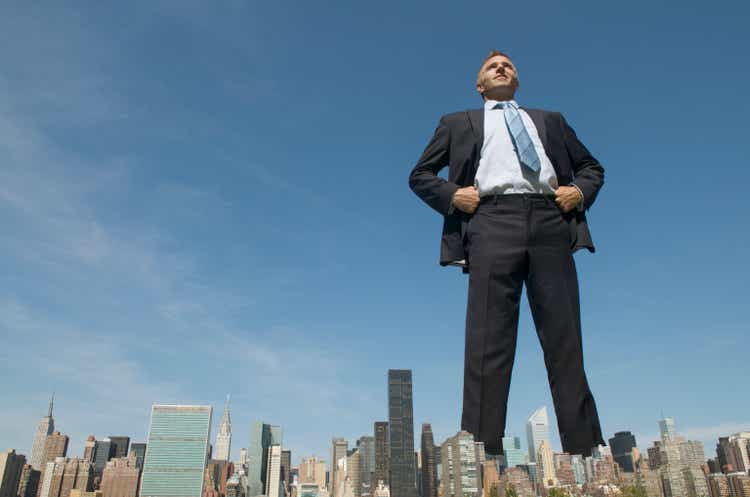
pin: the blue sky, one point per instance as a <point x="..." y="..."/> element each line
<point x="209" y="198"/>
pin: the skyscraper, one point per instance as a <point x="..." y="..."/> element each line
<point x="262" y="436"/>
<point x="139" y="451"/>
<point x="461" y="471"/>
<point x="55" y="447"/>
<point x="401" y="439"/>
<point x="546" y="464"/>
<point x="29" y="484"/>
<point x="667" y="429"/>
<point x="366" y="446"/>
<point x="429" y="463"/>
<point x="176" y="451"/>
<point x="273" y="472"/>
<point x="354" y="472"/>
<point x="103" y="451"/>
<point x="224" y="437"/>
<point x="120" y="446"/>
<point x="339" y="449"/>
<point x="45" y="428"/>
<point x="11" y="467"/>
<point x="382" y="470"/>
<point x="89" y="448"/>
<point x="512" y="452"/>
<point x="537" y="430"/>
<point x="286" y="468"/>
<point x="313" y="470"/>
<point x="622" y="445"/>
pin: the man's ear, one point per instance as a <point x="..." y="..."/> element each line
<point x="480" y="89"/>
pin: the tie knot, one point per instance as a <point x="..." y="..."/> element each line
<point x="509" y="104"/>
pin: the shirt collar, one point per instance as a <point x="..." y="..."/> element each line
<point x="490" y="104"/>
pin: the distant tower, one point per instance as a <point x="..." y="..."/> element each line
<point x="546" y="462"/>
<point x="339" y="448"/>
<point x="273" y="472"/>
<point x="512" y="451"/>
<point x="224" y="437"/>
<point x="622" y="445"/>
<point x="667" y="429"/>
<point x="429" y="463"/>
<point x="537" y="430"/>
<point x="382" y="469"/>
<point x="262" y="436"/>
<point x="401" y="439"/>
<point x="46" y="427"/>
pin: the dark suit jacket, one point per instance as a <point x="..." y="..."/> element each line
<point x="457" y="142"/>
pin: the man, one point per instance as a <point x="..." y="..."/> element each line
<point x="519" y="183"/>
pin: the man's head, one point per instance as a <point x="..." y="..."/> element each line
<point x="497" y="78"/>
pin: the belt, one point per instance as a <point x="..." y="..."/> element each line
<point x="514" y="197"/>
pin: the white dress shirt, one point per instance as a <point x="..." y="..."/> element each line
<point x="500" y="171"/>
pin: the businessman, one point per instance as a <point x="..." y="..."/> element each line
<point x="519" y="183"/>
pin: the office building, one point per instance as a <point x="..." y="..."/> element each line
<point x="176" y="451"/>
<point x="120" y="446"/>
<point x="103" y="452"/>
<point x="273" y="472"/>
<point x="366" y="447"/>
<point x="382" y="469"/>
<point x="313" y="470"/>
<point x="11" y="467"/>
<point x="622" y="445"/>
<point x="461" y="469"/>
<point x="28" y="485"/>
<point x="120" y="477"/>
<point x="428" y="487"/>
<point x="339" y="449"/>
<point x="262" y="436"/>
<point x="401" y="433"/>
<point x="139" y="452"/>
<point x="537" y="430"/>
<point x="513" y="454"/>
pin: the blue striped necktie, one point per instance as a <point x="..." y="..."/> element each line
<point x="527" y="154"/>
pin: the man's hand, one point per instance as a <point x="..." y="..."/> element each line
<point x="567" y="198"/>
<point x="466" y="199"/>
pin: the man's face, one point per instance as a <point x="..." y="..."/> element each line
<point x="498" y="79"/>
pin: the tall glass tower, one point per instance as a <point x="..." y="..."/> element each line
<point x="512" y="452"/>
<point x="176" y="451"/>
<point x="262" y="436"/>
<point x="667" y="429"/>
<point x="401" y="424"/>
<point x="537" y="429"/>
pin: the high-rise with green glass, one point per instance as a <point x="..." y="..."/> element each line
<point x="176" y="451"/>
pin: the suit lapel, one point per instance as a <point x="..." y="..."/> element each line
<point x="537" y="117"/>
<point x="476" y="121"/>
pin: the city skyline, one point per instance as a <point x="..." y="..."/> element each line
<point x="178" y="461"/>
<point x="273" y="434"/>
<point x="181" y="223"/>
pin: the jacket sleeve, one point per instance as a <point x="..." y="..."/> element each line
<point x="424" y="180"/>
<point x="589" y="174"/>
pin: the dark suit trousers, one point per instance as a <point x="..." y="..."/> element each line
<point x="512" y="240"/>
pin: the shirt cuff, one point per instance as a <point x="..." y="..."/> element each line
<point x="580" y="204"/>
<point x="452" y="207"/>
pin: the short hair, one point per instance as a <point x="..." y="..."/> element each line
<point x="493" y="53"/>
